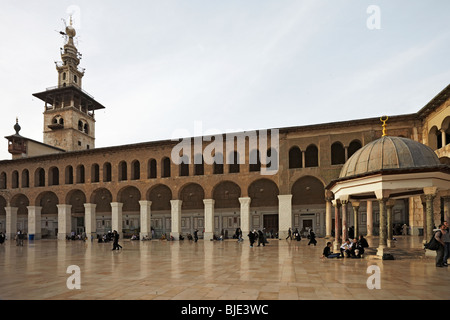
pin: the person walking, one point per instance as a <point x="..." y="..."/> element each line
<point x="261" y="238"/>
<point x="289" y="234"/>
<point x="252" y="236"/>
<point x="195" y="235"/>
<point x="312" y="238"/>
<point x="116" y="244"/>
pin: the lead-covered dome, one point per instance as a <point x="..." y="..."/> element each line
<point x="389" y="153"/>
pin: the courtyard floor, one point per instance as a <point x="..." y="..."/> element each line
<point x="214" y="270"/>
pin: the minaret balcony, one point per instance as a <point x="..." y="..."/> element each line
<point x="16" y="148"/>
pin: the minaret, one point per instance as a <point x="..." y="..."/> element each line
<point x="69" y="121"/>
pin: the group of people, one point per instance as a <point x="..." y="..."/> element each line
<point x="259" y="236"/>
<point x="350" y="249"/>
<point x="298" y="235"/>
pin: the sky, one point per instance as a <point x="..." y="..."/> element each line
<point x="162" y="67"/>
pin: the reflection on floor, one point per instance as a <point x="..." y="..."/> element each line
<point x="213" y="270"/>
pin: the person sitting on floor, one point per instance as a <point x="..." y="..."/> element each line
<point x="327" y="253"/>
<point x="346" y="248"/>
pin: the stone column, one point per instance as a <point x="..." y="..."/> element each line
<point x="64" y="220"/>
<point x="430" y="194"/>
<point x="284" y="215"/>
<point x="90" y="220"/>
<point x="424" y="218"/>
<point x="303" y="159"/>
<point x="145" y="223"/>
<point x="355" y="206"/>
<point x="369" y="215"/>
<point x="382" y="238"/>
<point x="34" y="221"/>
<point x="176" y="218"/>
<point x="328" y="218"/>
<point x="11" y="222"/>
<point x="116" y="218"/>
<point x="344" y="220"/>
<point x="389" y="205"/>
<point x="209" y="219"/>
<point x="337" y="229"/>
<point x="444" y="138"/>
<point x="245" y="215"/>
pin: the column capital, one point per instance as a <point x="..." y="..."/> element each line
<point x="90" y="205"/>
<point x="285" y="197"/>
<point x="209" y="201"/>
<point x="145" y="203"/>
<point x="336" y="203"/>
<point x="63" y="206"/>
<point x="382" y="194"/>
<point x="355" y="204"/>
<point x="245" y="200"/>
<point x="116" y="204"/>
<point x="430" y="191"/>
<point x="390" y="203"/>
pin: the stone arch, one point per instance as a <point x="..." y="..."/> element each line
<point x="226" y="195"/>
<point x="264" y="193"/>
<point x="48" y="201"/>
<point x="21" y="202"/>
<point x="192" y="195"/>
<point x="445" y="127"/>
<point x="130" y="197"/>
<point x="76" y="198"/>
<point x="433" y="138"/>
<point x="160" y="196"/>
<point x="308" y="190"/>
<point x="102" y="197"/>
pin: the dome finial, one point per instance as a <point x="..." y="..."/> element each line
<point x="16" y="126"/>
<point x="384" y="125"/>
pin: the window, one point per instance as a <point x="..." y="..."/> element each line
<point x="152" y="169"/>
<point x="295" y="158"/>
<point x="107" y="172"/>
<point x="337" y="153"/>
<point x="312" y="156"/>
<point x="165" y="168"/>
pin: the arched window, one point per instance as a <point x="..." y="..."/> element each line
<point x="337" y="153"/>
<point x="107" y="172"/>
<point x="53" y="176"/>
<point x="152" y="169"/>
<point x="184" y="166"/>
<point x="123" y="171"/>
<point x="218" y="163"/>
<point x="69" y="175"/>
<point x="255" y="161"/>
<point x="80" y="125"/>
<point x="272" y="159"/>
<point x="15" y="179"/>
<point x="3" y="180"/>
<point x="311" y="156"/>
<point x="25" y="179"/>
<point x="95" y="173"/>
<point x="354" y="146"/>
<point x="86" y="128"/>
<point x="80" y="174"/>
<point x="64" y="76"/>
<point x="199" y="166"/>
<point x="165" y="173"/>
<point x="135" y="170"/>
<point x="233" y="166"/>
<point x="295" y="158"/>
<point x="39" y="178"/>
<point x="75" y="78"/>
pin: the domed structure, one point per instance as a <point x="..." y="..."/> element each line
<point x="389" y="153"/>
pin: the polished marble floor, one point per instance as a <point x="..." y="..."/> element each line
<point x="213" y="270"/>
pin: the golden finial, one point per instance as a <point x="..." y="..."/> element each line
<point x="71" y="24"/>
<point x="384" y="124"/>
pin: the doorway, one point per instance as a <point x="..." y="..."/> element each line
<point x="270" y="223"/>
